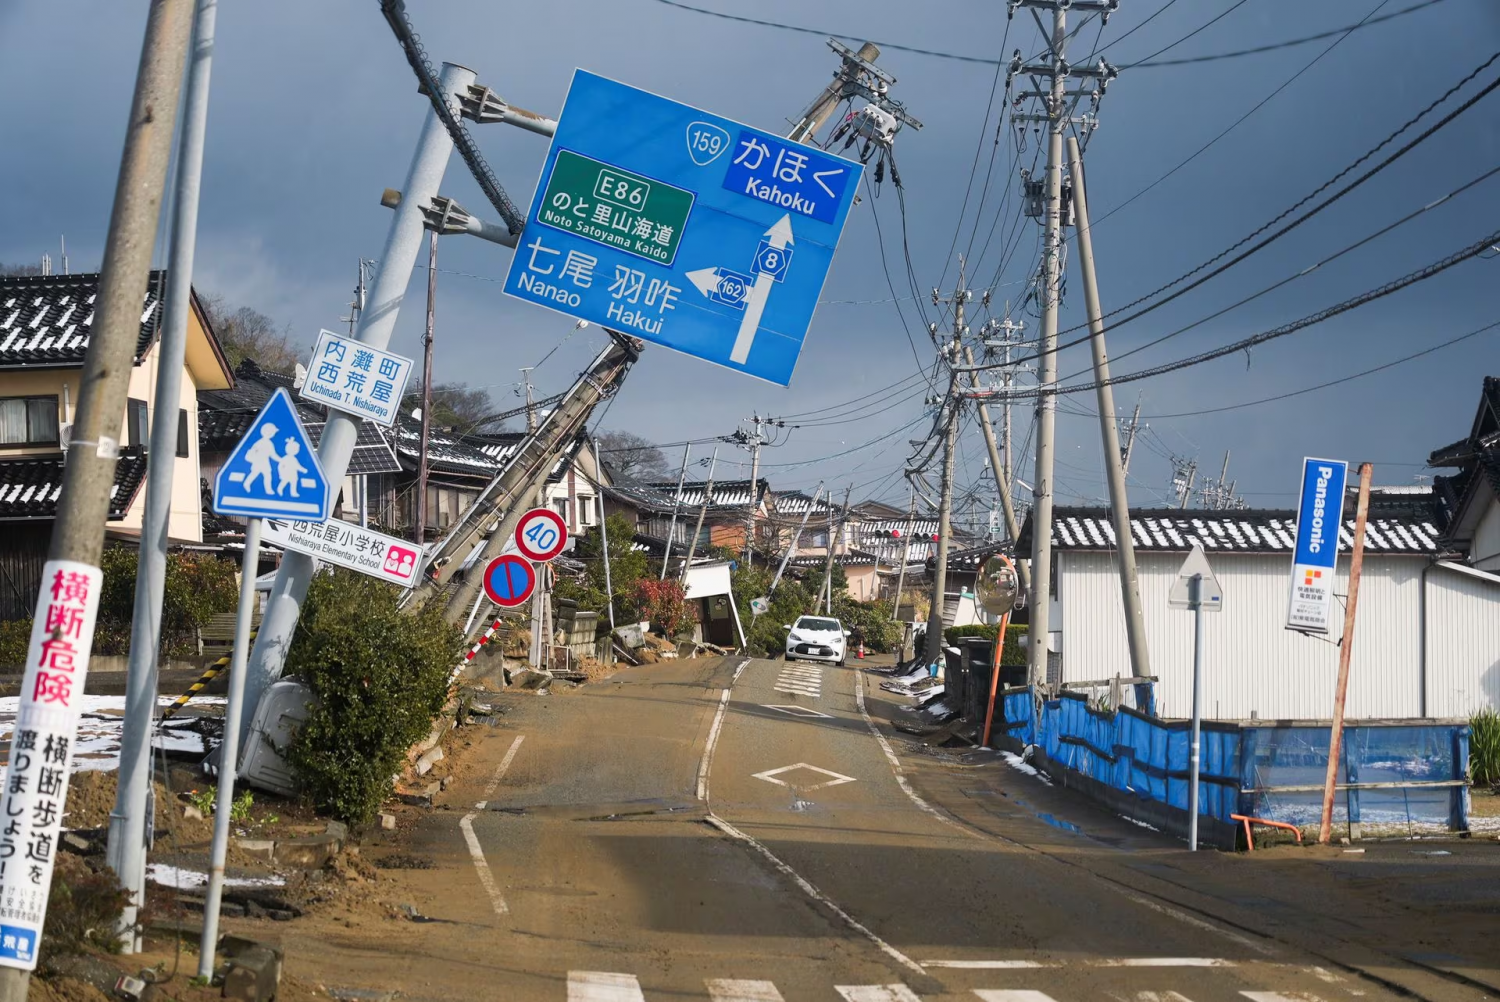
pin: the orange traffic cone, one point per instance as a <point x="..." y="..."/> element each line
<point x="861" y="652"/>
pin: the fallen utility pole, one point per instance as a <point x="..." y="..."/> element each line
<point x="126" y="846"/>
<point x="755" y="443"/>
<point x="422" y="470"/>
<point x="792" y="548"/>
<point x="1119" y="501"/>
<point x="71" y="577"/>
<point x="708" y="491"/>
<point x="666" y="555"/>
<point x="1346" y="651"/>
<point x="1002" y="480"/>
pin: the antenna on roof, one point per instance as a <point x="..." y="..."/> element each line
<point x="63" y="239"/>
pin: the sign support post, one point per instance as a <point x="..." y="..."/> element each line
<point x="1346" y="650"/>
<point x="229" y="750"/>
<point x="1195" y="589"/>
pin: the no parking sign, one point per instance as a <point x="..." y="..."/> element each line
<point x="541" y="534"/>
<point x="509" y="580"/>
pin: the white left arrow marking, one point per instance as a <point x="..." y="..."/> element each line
<point x="780" y="237"/>
<point x="705" y="280"/>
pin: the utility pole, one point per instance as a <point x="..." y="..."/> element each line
<point x="911" y="516"/>
<point x="127" y="841"/>
<point x="1119" y="502"/>
<point x="530" y="403"/>
<point x="403" y="244"/>
<point x="1346" y="651"/>
<point x="89" y="474"/>
<point x="1184" y="473"/>
<point x="432" y="241"/>
<point x="708" y="494"/>
<point x="1002" y="478"/>
<point x="842" y="87"/>
<point x="954" y="402"/>
<point x="356" y="307"/>
<point x="676" y="506"/>
<point x="755" y="443"/>
<point x="1130" y="430"/>
<point x="792" y="549"/>
<point x="828" y="564"/>
<point x="1057" y="115"/>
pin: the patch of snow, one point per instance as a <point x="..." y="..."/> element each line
<point x="1143" y="824"/>
<point x="186" y="880"/>
<point x="1019" y="764"/>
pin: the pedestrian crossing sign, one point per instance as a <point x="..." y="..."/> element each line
<point x="274" y="471"/>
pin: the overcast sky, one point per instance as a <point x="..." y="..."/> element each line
<point x="314" y="111"/>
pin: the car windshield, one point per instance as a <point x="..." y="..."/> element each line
<point x="809" y="623"/>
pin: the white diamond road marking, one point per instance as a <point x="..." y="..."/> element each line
<point x="877" y="993"/>
<point x="1012" y="995"/>
<point x="733" y="990"/>
<point x="796" y="711"/>
<point x="770" y="777"/>
<point x="603" y="986"/>
<point x="1281" y="997"/>
<point x="1161" y="997"/>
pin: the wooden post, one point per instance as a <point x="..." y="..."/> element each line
<point x="1346" y="649"/>
<point x="989" y="715"/>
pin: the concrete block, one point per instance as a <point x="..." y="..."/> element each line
<point x="387" y="821"/>
<point x="254" y="976"/>
<point x="338" y="829"/>
<point x="263" y="847"/>
<point x="428" y="759"/>
<point x="308" y="853"/>
<point x="421" y="797"/>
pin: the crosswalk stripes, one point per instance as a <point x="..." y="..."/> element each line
<point x="603" y="986"/>
<point x="803" y="681"/>
<point x="606" y="986"/>
<point x="734" y="990"/>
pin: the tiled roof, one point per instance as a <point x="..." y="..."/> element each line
<point x="1477" y="458"/>
<point x="225" y="415"/>
<point x="1266" y="531"/>
<point x="664" y="496"/>
<point x="796" y="503"/>
<point x="29" y="487"/>
<point x="970" y="559"/>
<point x="47" y="320"/>
<point x="446" y="452"/>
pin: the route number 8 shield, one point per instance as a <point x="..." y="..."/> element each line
<point x="541" y="534"/>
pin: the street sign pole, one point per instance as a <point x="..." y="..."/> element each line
<point x="229" y="750"/>
<point x="609" y="591"/>
<point x="1195" y="589"/>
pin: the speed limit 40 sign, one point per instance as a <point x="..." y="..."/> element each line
<point x="541" y="534"/>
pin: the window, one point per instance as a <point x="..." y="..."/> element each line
<point x="586" y="509"/>
<point x="182" y="433"/>
<point x="138" y="427"/>
<point x="28" y="421"/>
<point x="561" y="504"/>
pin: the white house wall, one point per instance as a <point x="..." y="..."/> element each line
<point x="1463" y="642"/>
<point x="1485" y="549"/>
<point x="1252" y="664"/>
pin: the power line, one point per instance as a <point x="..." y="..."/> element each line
<point x="1332" y="382"/>
<point x="1289" y="43"/>
<point x="1300" y="220"/>
<point x="1215" y="20"/>
<point x="1395" y="285"/>
<point x="1241" y="120"/>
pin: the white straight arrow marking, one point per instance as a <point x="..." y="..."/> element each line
<point x="780" y="237"/>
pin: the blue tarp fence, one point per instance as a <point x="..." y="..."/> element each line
<point x="1396" y="776"/>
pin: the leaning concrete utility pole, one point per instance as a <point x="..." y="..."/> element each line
<point x="89" y="474"/>
<point x="422" y="470"/>
<point x="828" y="563"/>
<point x="708" y="493"/>
<point x="676" y="507"/>
<point x="1119" y="502"/>
<point x="954" y="402"/>
<point x="824" y="104"/>
<point x="911" y="516"/>
<point x="376" y="323"/>
<point x="1002" y="481"/>
<point x="755" y="444"/>
<point x="1056" y="114"/>
<point x="126" y="846"/>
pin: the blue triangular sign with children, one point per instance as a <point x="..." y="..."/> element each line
<point x="274" y="471"/>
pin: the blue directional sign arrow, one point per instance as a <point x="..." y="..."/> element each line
<point x="643" y="200"/>
<point x="274" y="471"/>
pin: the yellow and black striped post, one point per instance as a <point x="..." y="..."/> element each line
<point x="209" y="674"/>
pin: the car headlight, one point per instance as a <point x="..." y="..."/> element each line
<point x="793" y="638"/>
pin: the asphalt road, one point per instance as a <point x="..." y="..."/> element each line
<point x="735" y="830"/>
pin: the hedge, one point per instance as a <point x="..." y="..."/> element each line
<point x="1014" y="653"/>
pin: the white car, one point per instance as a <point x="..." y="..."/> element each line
<point x="816" y="638"/>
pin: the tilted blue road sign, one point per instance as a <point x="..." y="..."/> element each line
<point x="682" y="228"/>
<point x="274" y="471"/>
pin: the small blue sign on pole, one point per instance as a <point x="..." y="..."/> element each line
<point x="1320" y="518"/>
<point x="274" y="471"/>
<point x="682" y="228"/>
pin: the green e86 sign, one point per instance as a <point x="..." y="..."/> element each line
<point x="601" y="202"/>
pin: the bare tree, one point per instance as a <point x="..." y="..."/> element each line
<point x="454" y="405"/>
<point x="248" y="333"/>
<point x="8" y="270"/>
<point x="632" y="458"/>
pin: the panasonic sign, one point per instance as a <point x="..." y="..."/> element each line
<point x="1320" y="515"/>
